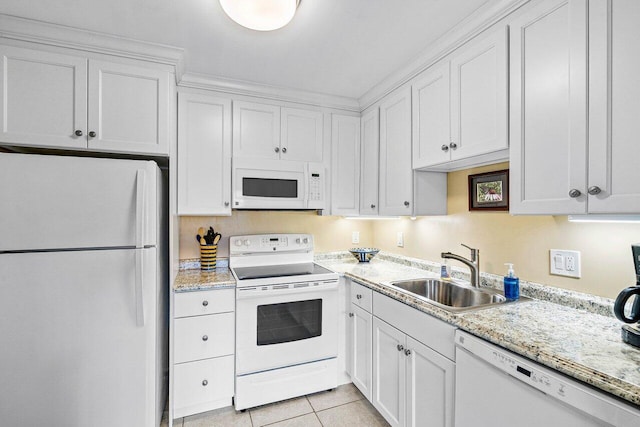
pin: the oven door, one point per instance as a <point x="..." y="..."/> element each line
<point x="285" y="325"/>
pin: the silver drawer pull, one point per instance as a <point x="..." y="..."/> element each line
<point x="205" y="303"/>
<point x="204" y="338"/>
<point x="205" y="382"/>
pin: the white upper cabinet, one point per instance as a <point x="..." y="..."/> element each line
<point x="479" y="97"/>
<point x="129" y="108"/>
<point x="460" y="107"/>
<point x="614" y="107"/>
<point x="204" y="154"/>
<point x="266" y="131"/>
<point x="302" y="135"/>
<point x="396" y="175"/>
<point x="431" y="117"/>
<point x="43" y="98"/>
<point x="63" y="101"/>
<point x="369" y="151"/>
<point x="345" y="165"/>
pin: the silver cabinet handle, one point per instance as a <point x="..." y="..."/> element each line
<point x="594" y="190"/>
<point x="78" y="132"/>
<point x="400" y="347"/>
<point x="92" y="134"/>
<point x="205" y="303"/>
<point x="358" y="296"/>
<point x="205" y="382"/>
<point x="453" y="145"/>
<point x="373" y="206"/>
<point x="406" y="203"/>
<point x="226" y="203"/>
<point x="574" y="192"/>
<point x="350" y="314"/>
<point x="205" y="338"/>
<point x="407" y="352"/>
<point x="284" y="149"/>
<point x="444" y="148"/>
<point x="277" y="149"/>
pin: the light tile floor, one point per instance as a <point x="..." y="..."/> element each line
<point x="342" y="407"/>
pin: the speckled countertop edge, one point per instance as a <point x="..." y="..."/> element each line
<point x="191" y="278"/>
<point x="570" y="332"/>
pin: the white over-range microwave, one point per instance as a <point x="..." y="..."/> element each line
<point x="278" y="184"/>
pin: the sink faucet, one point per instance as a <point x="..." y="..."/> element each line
<point x="473" y="263"/>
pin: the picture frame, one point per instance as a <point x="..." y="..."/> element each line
<point x="489" y="191"/>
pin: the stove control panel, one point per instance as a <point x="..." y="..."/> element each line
<point x="264" y="243"/>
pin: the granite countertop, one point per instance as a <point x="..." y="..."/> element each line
<point x="575" y="334"/>
<point x="570" y="332"/>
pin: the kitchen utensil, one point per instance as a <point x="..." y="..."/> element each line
<point x="364" y="254"/>
<point x="217" y="238"/>
<point x="201" y="231"/>
<point x="198" y="238"/>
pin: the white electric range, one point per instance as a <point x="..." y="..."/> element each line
<point x="286" y="319"/>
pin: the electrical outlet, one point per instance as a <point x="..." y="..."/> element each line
<point x="564" y="263"/>
<point x="355" y="237"/>
<point x="400" y="239"/>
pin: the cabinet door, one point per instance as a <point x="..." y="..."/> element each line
<point x="129" y="108"/>
<point x="302" y="135"/>
<point x="430" y="386"/>
<point x="369" y="152"/>
<point x="431" y="117"/>
<point x="43" y="98"/>
<point x="345" y="165"/>
<point x="479" y="97"/>
<point x="548" y="114"/>
<point x="396" y="175"/>
<point x="389" y="370"/>
<point x="256" y="130"/>
<point x="614" y="106"/>
<point x="204" y="155"/>
<point x="361" y="350"/>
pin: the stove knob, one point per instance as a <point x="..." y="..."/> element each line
<point x="247" y="242"/>
<point x="298" y="240"/>
<point x="305" y="240"/>
<point x="238" y="242"/>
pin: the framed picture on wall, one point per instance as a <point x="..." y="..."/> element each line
<point x="489" y="191"/>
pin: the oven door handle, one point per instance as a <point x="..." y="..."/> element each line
<point x="257" y="291"/>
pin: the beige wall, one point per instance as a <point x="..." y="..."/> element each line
<point x="330" y="233"/>
<point x="524" y="240"/>
<point x="607" y="264"/>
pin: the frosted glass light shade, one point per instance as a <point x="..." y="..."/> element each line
<point x="260" y="15"/>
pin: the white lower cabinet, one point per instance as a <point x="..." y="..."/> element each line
<point x="202" y="347"/>
<point x="403" y="362"/>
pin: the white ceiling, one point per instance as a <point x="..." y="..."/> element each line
<point x="336" y="47"/>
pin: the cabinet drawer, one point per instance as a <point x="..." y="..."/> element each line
<point x="361" y="296"/>
<point x="204" y="302"/>
<point x="203" y="337"/>
<point x="427" y="329"/>
<point x="203" y="385"/>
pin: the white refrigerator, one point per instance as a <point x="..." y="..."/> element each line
<point x="83" y="291"/>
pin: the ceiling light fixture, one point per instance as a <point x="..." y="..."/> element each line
<point x="261" y="15"/>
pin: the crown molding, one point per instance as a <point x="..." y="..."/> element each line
<point x="267" y="92"/>
<point x="479" y="21"/>
<point x="29" y="30"/>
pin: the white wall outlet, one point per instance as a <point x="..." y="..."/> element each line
<point x="565" y="263"/>
<point x="355" y="237"/>
<point x="400" y="239"/>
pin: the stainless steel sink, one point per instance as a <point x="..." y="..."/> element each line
<point x="450" y="295"/>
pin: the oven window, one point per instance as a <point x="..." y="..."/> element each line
<point x="289" y="321"/>
<point x="267" y="187"/>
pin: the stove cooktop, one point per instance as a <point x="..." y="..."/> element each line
<point x="281" y="270"/>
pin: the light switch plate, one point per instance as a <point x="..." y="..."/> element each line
<point x="565" y="263"/>
<point x="355" y="237"/>
<point x="400" y="239"/>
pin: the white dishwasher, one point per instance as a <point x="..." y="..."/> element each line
<point x="496" y="388"/>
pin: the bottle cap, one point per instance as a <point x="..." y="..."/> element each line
<point x="510" y="272"/>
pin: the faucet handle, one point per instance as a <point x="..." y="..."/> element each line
<point x="474" y="251"/>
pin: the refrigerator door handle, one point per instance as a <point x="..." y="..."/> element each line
<point x="139" y="291"/>
<point x="140" y="193"/>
